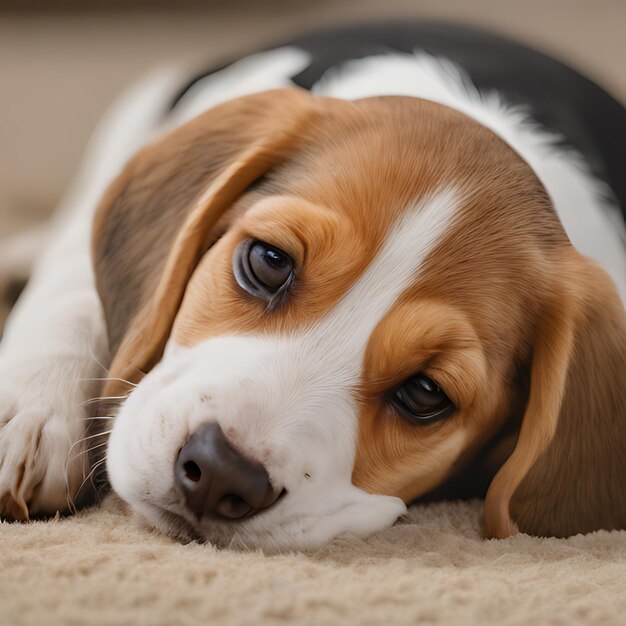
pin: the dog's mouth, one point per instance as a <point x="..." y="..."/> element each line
<point x="186" y="529"/>
<point x="173" y="525"/>
<point x="176" y="526"/>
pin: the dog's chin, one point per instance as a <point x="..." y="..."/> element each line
<point x="278" y="531"/>
<point x="184" y="531"/>
<point x="179" y="528"/>
<point x="169" y="523"/>
<point x="219" y="534"/>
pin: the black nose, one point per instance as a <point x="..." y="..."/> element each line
<point x="216" y="480"/>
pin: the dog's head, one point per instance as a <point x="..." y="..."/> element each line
<point x="326" y="309"/>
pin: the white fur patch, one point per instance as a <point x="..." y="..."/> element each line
<point x="286" y="401"/>
<point x="55" y="339"/>
<point x="252" y="74"/>
<point x="585" y="205"/>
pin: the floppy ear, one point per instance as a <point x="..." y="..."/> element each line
<point x="567" y="474"/>
<point x="159" y="216"/>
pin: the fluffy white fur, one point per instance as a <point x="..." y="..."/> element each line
<point x="285" y="401"/>
<point x="584" y="204"/>
<point x="55" y="341"/>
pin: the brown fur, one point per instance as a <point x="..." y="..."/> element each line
<point x="504" y="315"/>
<point x="157" y="218"/>
<point x="573" y="474"/>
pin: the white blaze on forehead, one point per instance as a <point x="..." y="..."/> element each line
<point x="308" y="378"/>
<point x="313" y="371"/>
<point x="345" y="331"/>
<point x="284" y="400"/>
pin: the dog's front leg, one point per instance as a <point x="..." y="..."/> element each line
<point x="52" y="349"/>
<point x="55" y="340"/>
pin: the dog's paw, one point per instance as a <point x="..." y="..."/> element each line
<point x="41" y="464"/>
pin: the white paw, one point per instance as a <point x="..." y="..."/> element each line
<point x="41" y="467"/>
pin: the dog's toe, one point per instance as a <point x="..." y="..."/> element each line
<point x="40" y="461"/>
<point x="21" y="465"/>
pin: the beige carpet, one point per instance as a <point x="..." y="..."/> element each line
<point x="105" y="567"/>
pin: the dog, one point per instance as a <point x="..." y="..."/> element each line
<point x="289" y="296"/>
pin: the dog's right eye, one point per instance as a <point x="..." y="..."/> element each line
<point x="421" y="400"/>
<point x="263" y="270"/>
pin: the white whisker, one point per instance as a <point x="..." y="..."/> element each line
<point x="102" y="434"/>
<point x="104" y="443"/>
<point x="92" y="400"/>
<point x="70" y="499"/>
<point x="97" y="361"/>
<point x="99" y="417"/>
<point x="95" y="467"/>
<point x="121" y="380"/>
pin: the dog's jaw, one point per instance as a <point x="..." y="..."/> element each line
<point x="308" y="450"/>
<point x="286" y="401"/>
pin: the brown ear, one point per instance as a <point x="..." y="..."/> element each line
<point x="567" y="474"/>
<point x="158" y="218"/>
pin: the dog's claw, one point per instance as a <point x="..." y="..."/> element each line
<point x="38" y="458"/>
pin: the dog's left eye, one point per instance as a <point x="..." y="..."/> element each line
<point x="263" y="270"/>
<point x="420" y="399"/>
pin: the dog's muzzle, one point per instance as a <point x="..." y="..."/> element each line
<point x="217" y="481"/>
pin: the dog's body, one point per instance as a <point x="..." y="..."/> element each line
<point x="301" y="393"/>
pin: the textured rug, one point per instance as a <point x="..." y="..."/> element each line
<point x="106" y="567"/>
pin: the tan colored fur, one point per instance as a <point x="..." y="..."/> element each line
<point x="504" y="313"/>
<point x="571" y="476"/>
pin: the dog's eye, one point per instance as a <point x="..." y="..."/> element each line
<point x="270" y="266"/>
<point x="263" y="270"/>
<point x="420" y="399"/>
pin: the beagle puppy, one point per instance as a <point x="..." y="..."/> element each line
<point x="288" y="297"/>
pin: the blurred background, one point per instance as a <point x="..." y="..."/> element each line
<point x="62" y="62"/>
